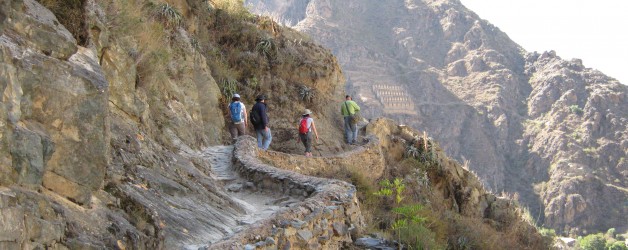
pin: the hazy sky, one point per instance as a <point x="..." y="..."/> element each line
<point x="594" y="31"/>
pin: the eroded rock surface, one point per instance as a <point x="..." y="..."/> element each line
<point x="53" y="106"/>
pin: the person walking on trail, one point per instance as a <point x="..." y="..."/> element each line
<point x="259" y="118"/>
<point x="348" y="110"/>
<point x="237" y="112"/>
<point x="306" y="126"/>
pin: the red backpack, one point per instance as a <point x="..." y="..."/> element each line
<point x="303" y="129"/>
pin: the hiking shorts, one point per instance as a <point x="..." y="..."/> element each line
<point x="306" y="139"/>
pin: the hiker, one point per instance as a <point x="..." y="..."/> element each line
<point x="306" y="126"/>
<point x="348" y="110"/>
<point x="259" y="118"/>
<point x="237" y="112"/>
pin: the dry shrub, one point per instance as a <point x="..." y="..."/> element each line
<point x="234" y="8"/>
<point x="142" y="38"/>
<point x="476" y="233"/>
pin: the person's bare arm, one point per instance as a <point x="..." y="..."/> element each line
<point x="314" y="128"/>
<point x="298" y="127"/>
<point x="245" y="119"/>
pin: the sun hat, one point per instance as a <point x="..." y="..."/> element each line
<point x="236" y="96"/>
<point x="307" y="112"/>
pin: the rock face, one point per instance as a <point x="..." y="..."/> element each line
<point x="101" y="143"/>
<point x="529" y="123"/>
<point x="54" y="105"/>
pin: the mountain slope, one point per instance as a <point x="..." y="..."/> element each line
<point x="551" y="130"/>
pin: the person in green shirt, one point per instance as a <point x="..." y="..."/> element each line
<point x="348" y="109"/>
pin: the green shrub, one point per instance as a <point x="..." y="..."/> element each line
<point x="408" y="224"/>
<point x="548" y="234"/>
<point x="418" y="236"/>
<point x="617" y="245"/>
<point x="592" y="242"/>
<point x="611" y="232"/>
<point x="576" y="109"/>
<point x="590" y="150"/>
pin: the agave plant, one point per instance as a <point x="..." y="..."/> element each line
<point x="306" y="93"/>
<point x="170" y="15"/>
<point x="266" y="47"/>
<point x="229" y="87"/>
<point x="412" y="151"/>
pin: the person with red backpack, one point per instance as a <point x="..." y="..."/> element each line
<point x="306" y="126"/>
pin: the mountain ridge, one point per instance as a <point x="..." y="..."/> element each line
<point x="443" y="54"/>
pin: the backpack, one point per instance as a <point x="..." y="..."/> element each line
<point x="236" y="111"/>
<point x="255" y="117"/>
<point x="303" y="129"/>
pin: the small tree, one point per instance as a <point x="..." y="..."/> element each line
<point x="409" y="226"/>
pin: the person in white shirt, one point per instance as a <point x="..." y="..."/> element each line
<point x="306" y="127"/>
<point x="237" y="113"/>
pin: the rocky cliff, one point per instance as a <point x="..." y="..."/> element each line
<point x="102" y="122"/>
<point x="549" y="129"/>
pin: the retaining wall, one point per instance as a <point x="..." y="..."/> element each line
<point x="327" y="219"/>
<point x="366" y="159"/>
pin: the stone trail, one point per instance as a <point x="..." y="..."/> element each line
<point x="258" y="204"/>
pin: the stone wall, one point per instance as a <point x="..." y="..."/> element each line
<point x="366" y="159"/>
<point x="395" y="99"/>
<point x="327" y="219"/>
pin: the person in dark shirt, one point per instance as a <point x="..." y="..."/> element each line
<point x="262" y="130"/>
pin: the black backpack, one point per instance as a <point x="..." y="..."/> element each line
<point x="255" y="118"/>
